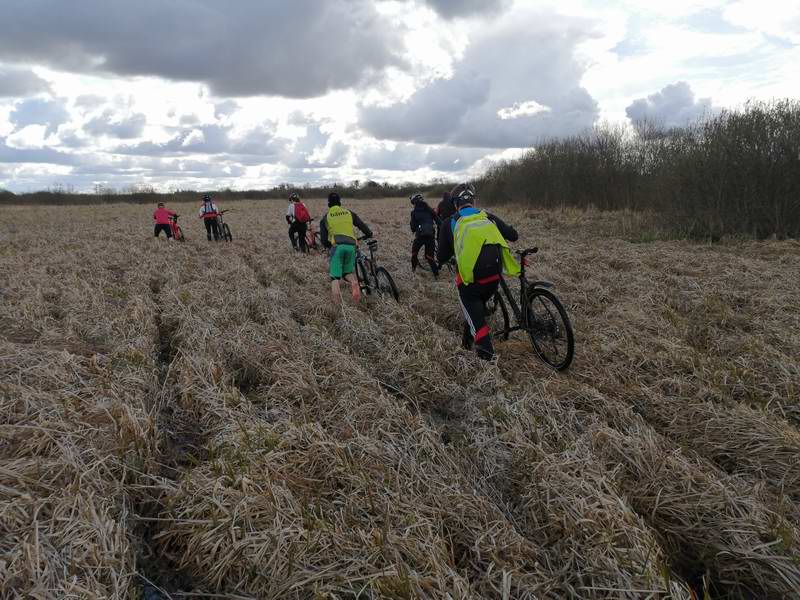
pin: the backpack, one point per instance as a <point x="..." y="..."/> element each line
<point x="301" y="213"/>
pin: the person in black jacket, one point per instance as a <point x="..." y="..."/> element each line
<point x="486" y="272"/>
<point x="423" y="224"/>
<point x="445" y="209"/>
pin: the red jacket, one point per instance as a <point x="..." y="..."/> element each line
<point x="161" y="216"/>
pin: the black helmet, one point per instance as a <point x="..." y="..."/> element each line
<point x="334" y="199"/>
<point x="416" y="198"/>
<point x="206" y="198"/>
<point x="464" y="194"/>
<point x="294" y="197"/>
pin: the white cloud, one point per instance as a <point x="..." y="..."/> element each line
<point x="522" y="109"/>
<point x="778" y="18"/>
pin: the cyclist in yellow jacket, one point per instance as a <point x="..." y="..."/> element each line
<point x="338" y="235"/>
<point x="479" y="242"/>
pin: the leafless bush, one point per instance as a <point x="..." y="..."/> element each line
<point x="736" y="173"/>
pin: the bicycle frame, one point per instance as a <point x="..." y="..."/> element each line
<point x="173" y="224"/>
<point x="525" y="287"/>
<point x="311" y="241"/>
<point x="368" y="262"/>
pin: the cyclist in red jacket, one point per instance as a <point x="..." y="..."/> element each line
<point x="161" y="216"/>
<point x="297" y="216"/>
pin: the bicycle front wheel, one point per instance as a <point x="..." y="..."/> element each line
<point x="226" y="233"/>
<point x="549" y="328"/>
<point x="385" y="284"/>
<point x="179" y="234"/>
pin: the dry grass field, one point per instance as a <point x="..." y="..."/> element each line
<point x="195" y="420"/>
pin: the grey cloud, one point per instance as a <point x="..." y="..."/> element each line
<point x="189" y="120"/>
<point x="88" y="102"/>
<point x="674" y="106"/>
<point x="125" y="128"/>
<point x="299" y="155"/>
<point x="9" y="154"/>
<point x="410" y="157"/>
<point x="464" y="8"/>
<point x="529" y="57"/>
<point x="257" y="145"/>
<point x="225" y="108"/>
<point x="39" y="111"/>
<point x="16" y="82"/>
<point x="433" y="114"/>
<point x="302" y="48"/>
<point x="71" y="139"/>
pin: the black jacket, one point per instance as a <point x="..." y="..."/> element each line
<point x="357" y="222"/>
<point x="423" y="219"/>
<point x="445" y="250"/>
<point x="445" y="209"/>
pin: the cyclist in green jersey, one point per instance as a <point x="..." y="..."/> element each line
<point x="337" y="229"/>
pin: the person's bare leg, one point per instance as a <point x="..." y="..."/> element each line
<point x="336" y="292"/>
<point x="355" y="288"/>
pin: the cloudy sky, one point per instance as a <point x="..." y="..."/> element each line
<point x="251" y="93"/>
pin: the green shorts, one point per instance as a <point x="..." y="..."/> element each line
<point x="343" y="261"/>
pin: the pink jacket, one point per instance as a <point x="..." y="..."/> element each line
<point x="161" y="216"/>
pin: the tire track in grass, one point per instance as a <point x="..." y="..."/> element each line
<point x="180" y="446"/>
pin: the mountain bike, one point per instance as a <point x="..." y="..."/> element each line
<point x="313" y="238"/>
<point x="371" y="277"/>
<point x="177" y="232"/>
<point x="449" y="265"/>
<point x="539" y="313"/>
<point x="224" y="230"/>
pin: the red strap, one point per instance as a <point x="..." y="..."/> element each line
<point x="489" y="279"/>
<point x="481" y="333"/>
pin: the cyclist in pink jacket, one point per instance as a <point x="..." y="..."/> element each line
<point x="161" y="216"/>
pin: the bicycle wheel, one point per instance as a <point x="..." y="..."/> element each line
<point x="179" y="234"/>
<point x="361" y="273"/>
<point x="497" y="316"/>
<point x="385" y="284"/>
<point x="549" y="328"/>
<point x="226" y="233"/>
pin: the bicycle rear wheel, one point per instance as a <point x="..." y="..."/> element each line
<point x="363" y="280"/>
<point x="226" y="233"/>
<point x="385" y="284"/>
<point x="497" y="316"/>
<point x="549" y="328"/>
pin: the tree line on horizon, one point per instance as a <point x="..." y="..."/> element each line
<point x="144" y="194"/>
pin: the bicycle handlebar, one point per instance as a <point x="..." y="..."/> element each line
<point x="524" y="253"/>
